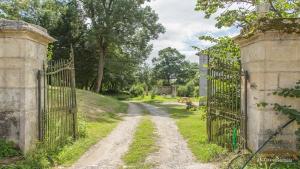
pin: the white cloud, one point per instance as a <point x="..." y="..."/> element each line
<point x="183" y="26"/>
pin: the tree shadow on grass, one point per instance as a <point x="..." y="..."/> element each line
<point x="176" y="111"/>
<point x="106" y="117"/>
<point x="179" y="112"/>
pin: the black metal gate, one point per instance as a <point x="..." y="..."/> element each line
<point x="226" y="124"/>
<point x="57" y="103"/>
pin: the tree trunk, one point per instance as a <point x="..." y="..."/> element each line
<point x="102" y="55"/>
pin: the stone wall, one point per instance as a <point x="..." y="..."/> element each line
<point x="167" y="90"/>
<point x="272" y="59"/>
<point x="23" y="51"/>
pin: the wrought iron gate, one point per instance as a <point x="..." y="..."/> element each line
<point x="57" y="103"/>
<point x="226" y="123"/>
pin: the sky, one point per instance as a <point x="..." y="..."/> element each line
<point x="183" y="27"/>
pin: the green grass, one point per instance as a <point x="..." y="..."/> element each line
<point x="8" y="149"/>
<point x="143" y="144"/>
<point x="98" y="107"/>
<point x="159" y="99"/>
<point x="98" y="116"/>
<point x="102" y="114"/>
<point x="95" y="132"/>
<point x="192" y="126"/>
<point x="156" y="99"/>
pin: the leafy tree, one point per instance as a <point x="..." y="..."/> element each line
<point x="119" y="71"/>
<point x="45" y="13"/>
<point x="188" y="72"/>
<point x="12" y="9"/>
<point x="224" y="47"/>
<point x="117" y="30"/>
<point x="128" y="24"/>
<point x="144" y="75"/>
<point x="242" y="12"/>
<point x="72" y="30"/>
<point x="169" y="65"/>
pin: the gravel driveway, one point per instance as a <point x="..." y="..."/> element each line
<point x="174" y="152"/>
<point x="108" y="152"/>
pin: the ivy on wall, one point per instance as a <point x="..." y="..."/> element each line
<point x="287" y="109"/>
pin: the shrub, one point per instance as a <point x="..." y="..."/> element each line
<point x="188" y="90"/>
<point x="82" y="131"/>
<point x="8" y="149"/>
<point x="38" y="158"/>
<point x="185" y="91"/>
<point x="136" y="90"/>
<point x="196" y="91"/>
<point x="153" y="95"/>
<point x="182" y="91"/>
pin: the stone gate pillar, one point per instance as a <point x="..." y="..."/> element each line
<point x="271" y="55"/>
<point x="203" y="60"/>
<point x="23" y="51"/>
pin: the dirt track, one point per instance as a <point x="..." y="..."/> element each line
<point x="108" y="152"/>
<point x="173" y="150"/>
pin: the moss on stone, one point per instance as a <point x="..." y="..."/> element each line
<point x="286" y="25"/>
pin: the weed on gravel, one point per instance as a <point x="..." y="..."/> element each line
<point x="143" y="144"/>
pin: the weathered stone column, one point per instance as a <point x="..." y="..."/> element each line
<point x="271" y="55"/>
<point x="203" y="60"/>
<point x="23" y="51"/>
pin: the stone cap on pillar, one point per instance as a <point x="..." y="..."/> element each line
<point x="21" y="29"/>
<point x="269" y="29"/>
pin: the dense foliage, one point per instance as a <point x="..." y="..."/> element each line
<point x="172" y="67"/>
<point x="106" y="35"/>
<point x="120" y="28"/>
<point x="224" y="47"/>
<point x="243" y="13"/>
<point x="8" y="149"/>
<point x="137" y="90"/>
<point x="190" y="89"/>
<point x="168" y="65"/>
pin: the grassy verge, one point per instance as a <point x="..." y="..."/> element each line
<point x="98" y="116"/>
<point x="95" y="132"/>
<point x="192" y="126"/>
<point x="143" y="144"/>
<point x="101" y="114"/>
